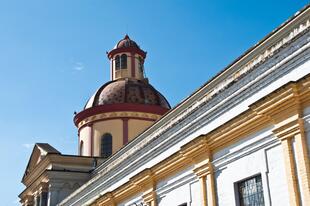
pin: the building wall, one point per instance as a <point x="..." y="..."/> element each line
<point x="306" y="119"/>
<point x="260" y="153"/>
<point x="135" y="127"/>
<point x="84" y="135"/>
<point x="133" y="201"/>
<point x="121" y="72"/>
<point x="180" y="188"/>
<point x="307" y="126"/>
<point x="114" y="127"/>
<point x="139" y="75"/>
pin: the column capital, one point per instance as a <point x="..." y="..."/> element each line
<point x="149" y="197"/>
<point x="43" y="187"/>
<point x="203" y="170"/>
<point x="197" y="151"/>
<point x="146" y="183"/>
<point x="107" y="200"/>
<point x="28" y="200"/>
<point x="288" y="129"/>
<point x="144" y="179"/>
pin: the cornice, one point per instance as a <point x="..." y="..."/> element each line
<point x="35" y="185"/>
<point x="112" y="110"/>
<point x="37" y="171"/>
<point x="118" y="115"/>
<point x="237" y="70"/>
<point x="106" y="200"/>
<point x="51" y="159"/>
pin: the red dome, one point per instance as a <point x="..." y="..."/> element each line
<point x="126" y="45"/>
<point x="127" y="91"/>
<point x="126" y="42"/>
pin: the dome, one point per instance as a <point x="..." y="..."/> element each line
<point x="125" y="43"/>
<point x="126" y="90"/>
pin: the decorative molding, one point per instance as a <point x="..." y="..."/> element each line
<point x="107" y="200"/>
<point x="118" y="115"/>
<point x="113" y="110"/>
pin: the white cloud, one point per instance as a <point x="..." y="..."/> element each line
<point x="78" y="66"/>
<point x="28" y="145"/>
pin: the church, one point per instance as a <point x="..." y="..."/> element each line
<point x="242" y="138"/>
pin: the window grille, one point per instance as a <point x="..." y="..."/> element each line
<point x="251" y="192"/>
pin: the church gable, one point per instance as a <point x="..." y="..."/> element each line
<point x="40" y="150"/>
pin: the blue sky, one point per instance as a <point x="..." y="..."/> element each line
<point x="53" y="58"/>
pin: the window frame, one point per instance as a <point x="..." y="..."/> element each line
<point x="103" y="147"/>
<point x="117" y="62"/>
<point x="238" y="195"/>
<point x="123" y="61"/>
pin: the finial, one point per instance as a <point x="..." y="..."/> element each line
<point x="126" y="36"/>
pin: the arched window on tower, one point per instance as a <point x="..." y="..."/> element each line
<point x="117" y="62"/>
<point x="81" y="148"/>
<point x="124" y="61"/>
<point x="141" y="64"/>
<point x="106" y="145"/>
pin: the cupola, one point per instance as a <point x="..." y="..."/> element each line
<point x="127" y="60"/>
<point x="122" y="108"/>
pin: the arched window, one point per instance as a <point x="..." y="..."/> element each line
<point x="117" y="63"/>
<point x="124" y="61"/>
<point x="81" y="148"/>
<point x="140" y="64"/>
<point x="106" y="145"/>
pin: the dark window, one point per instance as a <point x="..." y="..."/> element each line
<point x="37" y="200"/>
<point x="250" y="192"/>
<point x="43" y="200"/>
<point x="106" y="145"/>
<point x="184" y="204"/>
<point x="141" y="64"/>
<point x="81" y="148"/>
<point x="117" y="63"/>
<point x="124" y="61"/>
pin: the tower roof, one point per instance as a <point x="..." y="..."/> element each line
<point x="126" y="42"/>
<point x="126" y="45"/>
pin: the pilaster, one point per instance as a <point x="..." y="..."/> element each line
<point x="200" y="154"/>
<point x="303" y="161"/>
<point x="107" y="200"/>
<point x="146" y="182"/>
<point x="284" y="109"/>
<point x="43" y="192"/>
<point x="28" y="201"/>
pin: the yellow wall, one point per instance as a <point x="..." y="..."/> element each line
<point x="114" y="127"/>
<point x="135" y="127"/>
<point x="139" y="75"/>
<point x="122" y="73"/>
<point x="84" y="136"/>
